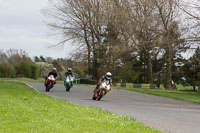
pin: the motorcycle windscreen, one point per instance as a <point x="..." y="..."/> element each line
<point x="69" y="79"/>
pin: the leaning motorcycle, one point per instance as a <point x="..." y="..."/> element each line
<point x="104" y="89"/>
<point x="49" y="83"/>
<point x="68" y="83"/>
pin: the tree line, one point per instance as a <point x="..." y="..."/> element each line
<point x="140" y="41"/>
<point x="16" y="63"/>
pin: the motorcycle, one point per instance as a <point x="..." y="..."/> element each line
<point x="68" y="83"/>
<point x="104" y="89"/>
<point x="49" y="83"/>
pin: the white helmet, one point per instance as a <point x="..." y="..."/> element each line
<point x="108" y="75"/>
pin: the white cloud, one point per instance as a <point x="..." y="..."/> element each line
<point x="4" y="4"/>
<point x="22" y="27"/>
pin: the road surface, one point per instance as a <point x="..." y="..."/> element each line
<point x="165" y="114"/>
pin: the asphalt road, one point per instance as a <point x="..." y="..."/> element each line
<point x="165" y="114"/>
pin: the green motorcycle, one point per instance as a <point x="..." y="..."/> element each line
<point x="68" y="82"/>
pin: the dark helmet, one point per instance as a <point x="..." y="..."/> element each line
<point x="108" y="75"/>
<point x="69" y="70"/>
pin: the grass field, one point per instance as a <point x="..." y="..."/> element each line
<point x="180" y="95"/>
<point x="23" y="110"/>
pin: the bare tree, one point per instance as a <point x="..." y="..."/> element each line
<point x="71" y="21"/>
<point x="3" y="57"/>
<point x="144" y="29"/>
<point x="112" y="32"/>
<point x="90" y="23"/>
<point x="192" y="14"/>
<point x="169" y="30"/>
<point x="16" y="56"/>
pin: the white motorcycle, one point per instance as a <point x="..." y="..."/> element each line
<point x="104" y="89"/>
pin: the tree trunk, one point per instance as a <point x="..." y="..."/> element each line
<point x="194" y="88"/>
<point x="89" y="61"/>
<point x="95" y="67"/>
<point x="149" y="68"/>
<point x="158" y="82"/>
<point x="88" y="48"/>
<point x="169" y="66"/>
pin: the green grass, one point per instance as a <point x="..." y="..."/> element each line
<point x="22" y="79"/>
<point x="179" y="87"/>
<point x="180" y="95"/>
<point x="23" y="110"/>
<point x="182" y="87"/>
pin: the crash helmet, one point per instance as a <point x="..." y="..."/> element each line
<point x="108" y="75"/>
<point x="54" y="69"/>
<point x="69" y="69"/>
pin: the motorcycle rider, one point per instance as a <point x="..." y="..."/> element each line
<point x="107" y="77"/>
<point x="69" y="72"/>
<point x="54" y="73"/>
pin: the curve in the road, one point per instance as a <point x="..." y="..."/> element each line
<point x="165" y="114"/>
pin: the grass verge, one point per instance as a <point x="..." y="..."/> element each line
<point x="22" y="79"/>
<point x="23" y="110"/>
<point x="180" y="95"/>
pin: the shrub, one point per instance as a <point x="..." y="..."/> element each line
<point x="7" y="71"/>
<point x="127" y="74"/>
<point x="88" y="81"/>
<point x="23" y="69"/>
<point x="27" y="69"/>
<point x="44" y="68"/>
<point x="61" y="75"/>
<point x="35" y="71"/>
<point x="78" y="72"/>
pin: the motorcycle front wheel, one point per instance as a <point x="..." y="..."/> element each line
<point x="67" y="86"/>
<point x="48" y="86"/>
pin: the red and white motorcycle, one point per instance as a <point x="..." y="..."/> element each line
<point x="49" y="83"/>
<point x="104" y="89"/>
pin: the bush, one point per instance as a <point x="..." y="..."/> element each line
<point x="7" y="71"/>
<point x="61" y="75"/>
<point x="23" y="69"/>
<point x="27" y="69"/>
<point x="35" y="71"/>
<point x="44" y="68"/>
<point x="127" y="74"/>
<point x="78" y="72"/>
<point x="87" y="81"/>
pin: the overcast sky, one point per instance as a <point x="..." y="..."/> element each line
<point x="22" y="27"/>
